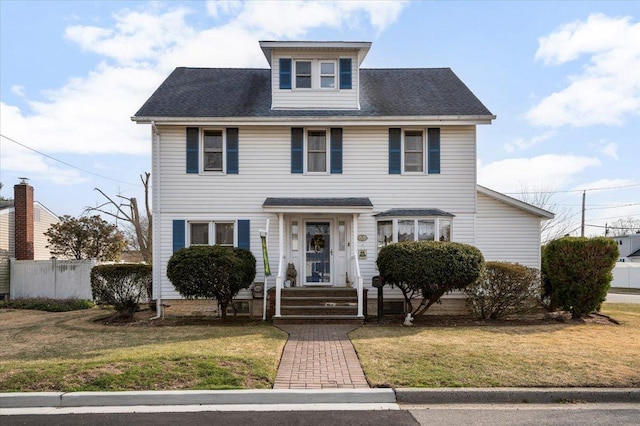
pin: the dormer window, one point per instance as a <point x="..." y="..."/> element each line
<point x="303" y="74"/>
<point x="327" y="75"/>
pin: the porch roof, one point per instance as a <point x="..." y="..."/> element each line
<point x="318" y="205"/>
<point x="413" y="213"/>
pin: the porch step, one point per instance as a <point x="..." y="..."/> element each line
<point x="305" y="305"/>
<point x="319" y="310"/>
<point x="317" y="301"/>
<point x="318" y="319"/>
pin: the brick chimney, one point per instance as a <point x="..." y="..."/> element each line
<point x="23" y="203"/>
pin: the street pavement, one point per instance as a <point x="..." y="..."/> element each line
<point x="623" y="298"/>
<point x="578" y="414"/>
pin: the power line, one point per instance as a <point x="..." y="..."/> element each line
<point x="574" y="190"/>
<point x="67" y="164"/>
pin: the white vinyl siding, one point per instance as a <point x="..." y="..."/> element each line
<point x="264" y="158"/>
<point x="317" y="98"/>
<point x="506" y="233"/>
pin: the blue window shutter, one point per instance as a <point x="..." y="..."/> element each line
<point x="395" y="148"/>
<point x="192" y="149"/>
<point x="345" y="73"/>
<point x="336" y="150"/>
<point x="232" y="151"/>
<point x="179" y="229"/>
<point x="244" y="234"/>
<point x="434" y="150"/>
<point x="285" y="73"/>
<point x="297" y="149"/>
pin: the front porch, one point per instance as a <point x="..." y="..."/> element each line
<point x="302" y="305"/>
<point x="318" y="277"/>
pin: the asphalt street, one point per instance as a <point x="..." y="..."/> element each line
<point x="579" y="414"/>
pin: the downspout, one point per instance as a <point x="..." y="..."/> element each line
<point x="155" y="137"/>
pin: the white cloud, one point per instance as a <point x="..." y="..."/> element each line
<point x="90" y="114"/>
<point x="522" y="143"/>
<point x="543" y="171"/>
<point x="17" y="90"/>
<point x="218" y="7"/>
<point x="610" y="149"/>
<point x="607" y="184"/>
<point x="608" y="89"/>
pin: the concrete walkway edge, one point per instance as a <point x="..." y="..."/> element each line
<point x="222" y="397"/>
<point x="407" y="396"/>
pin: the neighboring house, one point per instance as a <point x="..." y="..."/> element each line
<point x="23" y="223"/>
<point x="629" y="247"/>
<point x="339" y="160"/>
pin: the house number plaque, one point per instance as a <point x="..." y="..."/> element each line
<point x="362" y="238"/>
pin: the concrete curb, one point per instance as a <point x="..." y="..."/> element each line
<point x="515" y="395"/>
<point x="226" y="397"/>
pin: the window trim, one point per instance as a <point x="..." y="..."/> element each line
<point x="416" y="219"/>
<point x="211" y="232"/>
<point x="403" y="165"/>
<point x="327" y="150"/>
<point x="295" y="74"/>
<point x="334" y="62"/>
<point x="223" y="132"/>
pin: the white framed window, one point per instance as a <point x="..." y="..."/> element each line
<point x="316" y="151"/>
<point x="212" y="233"/>
<point x="303" y="74"/>
<point x="328" y="74"/>
<point x="394" y="230"/>
<point x="413" y="151"/>
<point x="213" y="152"/>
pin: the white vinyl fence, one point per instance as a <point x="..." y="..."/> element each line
<point x="626" y="275"/>
<point x="53" y="279"/>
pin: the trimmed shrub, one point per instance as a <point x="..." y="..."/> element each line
<point x="579" y="272"/>
<point x="121" y="285"/>
<point x="48" y="305"/>
<point x="504" y="289"/>
<point x="212" y="272"/>
<point x="429" y="269"/>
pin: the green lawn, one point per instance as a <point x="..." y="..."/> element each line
<point x="44" y="351"/>
<point x="70" y="351"/>
<point x="557" y="354"/>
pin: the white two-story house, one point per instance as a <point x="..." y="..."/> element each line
<point x="337" y="159"/>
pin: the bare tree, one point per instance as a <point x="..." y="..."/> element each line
<point x="127" y="210"/>
<point x="542" y="197"/>
<point x="623" y="227"/>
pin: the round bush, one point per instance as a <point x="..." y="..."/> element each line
<point x="429" y="269"/>
<point x="504" y="289"/>
<point x="211" y="272"/>
<point x="579" y="272"/>
<point x="121" y="285"/>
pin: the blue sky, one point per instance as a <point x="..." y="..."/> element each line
<point x="563" y="79"/>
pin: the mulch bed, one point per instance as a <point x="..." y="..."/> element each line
<point x="144" y="318"/>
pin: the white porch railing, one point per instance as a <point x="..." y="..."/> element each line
<point x="279" y="279"/>
<point x="359" y="278"/>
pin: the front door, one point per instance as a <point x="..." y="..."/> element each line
<point x="318" y="260"/>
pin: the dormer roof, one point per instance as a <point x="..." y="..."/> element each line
<point x="362" y="47"/>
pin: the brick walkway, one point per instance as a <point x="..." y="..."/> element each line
<point x="319" y="357"/>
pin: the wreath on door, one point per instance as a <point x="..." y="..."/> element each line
<point x="317" y="242"/>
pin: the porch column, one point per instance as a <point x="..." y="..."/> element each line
<point x="359" y="279"/>
<point x="279" y="280"/>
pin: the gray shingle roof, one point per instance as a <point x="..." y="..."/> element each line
<point x="413" y="213"/>
<point x="317" y="202"/>
<point x="242" y="92"/>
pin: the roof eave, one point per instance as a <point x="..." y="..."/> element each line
<point x="350" y="120"/>
<point x="515" y="202"/>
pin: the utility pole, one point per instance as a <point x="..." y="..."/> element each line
<point x="584" y="195"/>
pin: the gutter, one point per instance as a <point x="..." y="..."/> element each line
<point x="314" y="120"/>
<point x="155" y="135"/>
